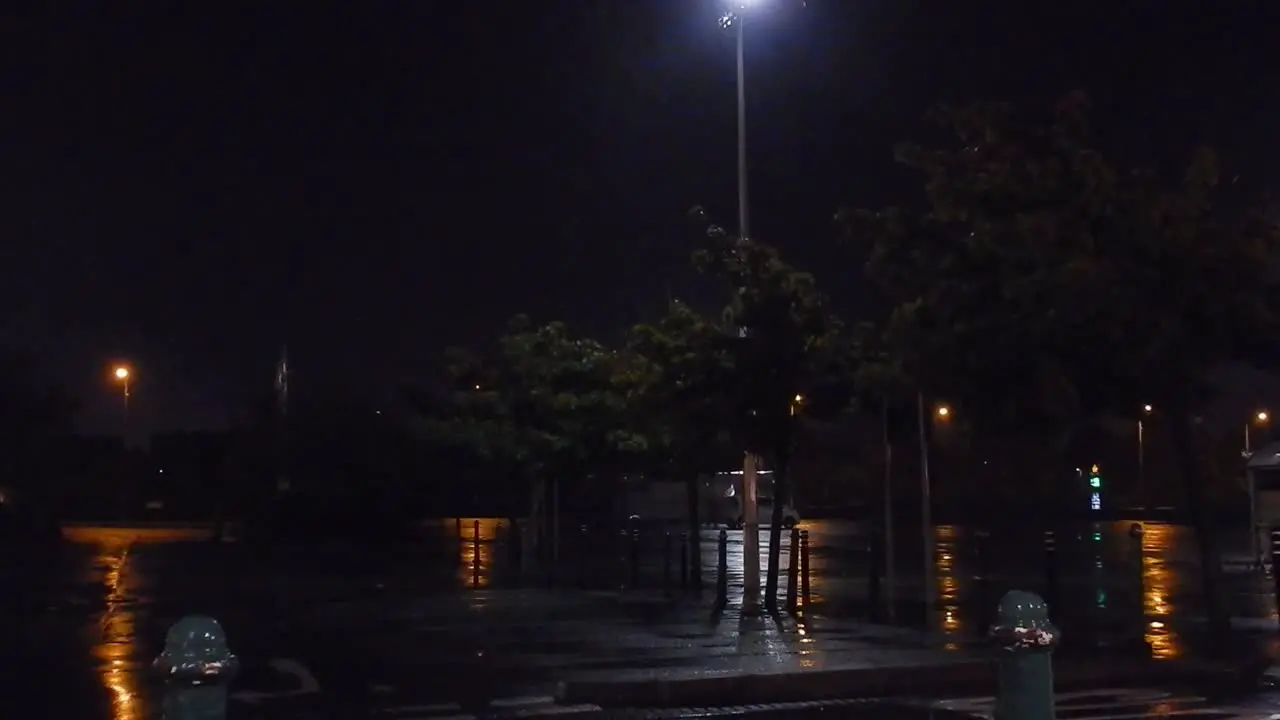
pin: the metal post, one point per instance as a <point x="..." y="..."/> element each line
<point x="722" y="570"/>
<point x="555" y="522"/>
<point x="666" y="561"/>
<point x="1275" y="558"/>
<point x="1051" y="567"/>
<point x="873" y="576"/>
<point x="793" y="569"/>
<point x="635" y="558"/>
<point x="804" y="568"/>
<point x="1255" y="543"/>
<point x="684" y="560"/>
<point x="926" y="516"/>
<point x="889" y="572"/>
<point x="743" y="214"/>
<point x="750" y="538"/>
<point x="982" y="548"/>
<point x="475" y="554"/>
<point x="1142" y="470"/>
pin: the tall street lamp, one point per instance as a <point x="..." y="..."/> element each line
<point x="1142" y="457"/>
<point x="1260" y="418"/>
<point x="941" y="413"/>
<point x="734" y="18"/>
<point x="123" y="376"/>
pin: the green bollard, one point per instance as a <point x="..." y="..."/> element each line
<point x="196" y="667"/>
<point x="1026" y="640"/>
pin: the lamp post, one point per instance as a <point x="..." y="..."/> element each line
<point x="1259" y="417"/>
<point x="942" y="413"/>
<point x="1142" y="458"/>
<point x="124" y="375"/>
<point x="734" y="18"/>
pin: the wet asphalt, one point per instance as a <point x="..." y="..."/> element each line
<point x="80" y="624"/>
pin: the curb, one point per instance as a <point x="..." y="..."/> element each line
<point x="972" y="677"/>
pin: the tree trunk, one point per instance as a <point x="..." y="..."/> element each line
<point x="1202" y="518"/>
<point x="532" y="548"/>
<point x="781" y="483"/>
<point x="695" y="530"/>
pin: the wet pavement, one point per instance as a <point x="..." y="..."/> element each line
<point x="444" y="628"/>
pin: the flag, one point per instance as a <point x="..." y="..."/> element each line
<point x="282" y="380"/>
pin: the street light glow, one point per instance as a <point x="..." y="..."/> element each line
<point x="943" y="411"/>
<point x="122" y="373"/>
<point x="1262" y="416"/>
<point x="1146" y="408"/>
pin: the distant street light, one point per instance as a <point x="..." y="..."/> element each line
<point x="1260" y="417"/>
<point x="942" y="411"/>
<point x="124" y="376"/>
<point x="1142" y="457"/>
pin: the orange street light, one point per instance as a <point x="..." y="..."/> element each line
<point x="943" y="411"/>
<point x="1261" y="416"/>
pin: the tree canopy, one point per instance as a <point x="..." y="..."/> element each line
<point x="1043" y="285"/>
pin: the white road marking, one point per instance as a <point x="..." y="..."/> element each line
<point x="436" y="708"/>
<point x="307" y="683"/>
<point x="513" y="707"/>
<point x="515" y="702"/>
<point x="1120" y="701"/>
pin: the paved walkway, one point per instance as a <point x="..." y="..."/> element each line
<point x="633" y="649"/>
<point x="589" y="635"/>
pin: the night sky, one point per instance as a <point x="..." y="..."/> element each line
<point x="186" y="185"/>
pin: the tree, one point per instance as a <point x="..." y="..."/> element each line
<point x="1044" y="286"/>
<point x="789" y="343"/>
<point x="679" y="374"/>
<point x="32" y="412"/>
<point x="546" y="404"/>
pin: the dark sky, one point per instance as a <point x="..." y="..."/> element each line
<point x="188" y="185"/>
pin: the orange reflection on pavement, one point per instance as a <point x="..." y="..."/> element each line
<point x="118" y="648"/>
<point x="1157" y="583"/>
<point x="948" y="584"/>
<point x="476" y="539"/>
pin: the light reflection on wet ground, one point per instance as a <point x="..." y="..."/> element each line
<point x="121" y="588"/>
<point x="116" y="590"/>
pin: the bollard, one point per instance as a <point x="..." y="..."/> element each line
<point x="1051" y="568"/>
<point x="982" y="551"/>
<point x="684" y="561"/>
<point x="635" y="558"/>
<point x="583" y="554"/>
<point x="666" y="562"/>
<point x="695" y="561"/>
<point x="622" y="563"/>
<point x="873" y="576"/>
<point x="793" y="570"/>
<point x="196" y="667"/>
<point x="475" y="554"/>
<point x="499" y="537"/>
<point x="804" y="568"/>
<point x="1275" y="561"/>
<point x="722" y="569"/>
<point x="515" y="551"/>
<point x="1026" y="640"/>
